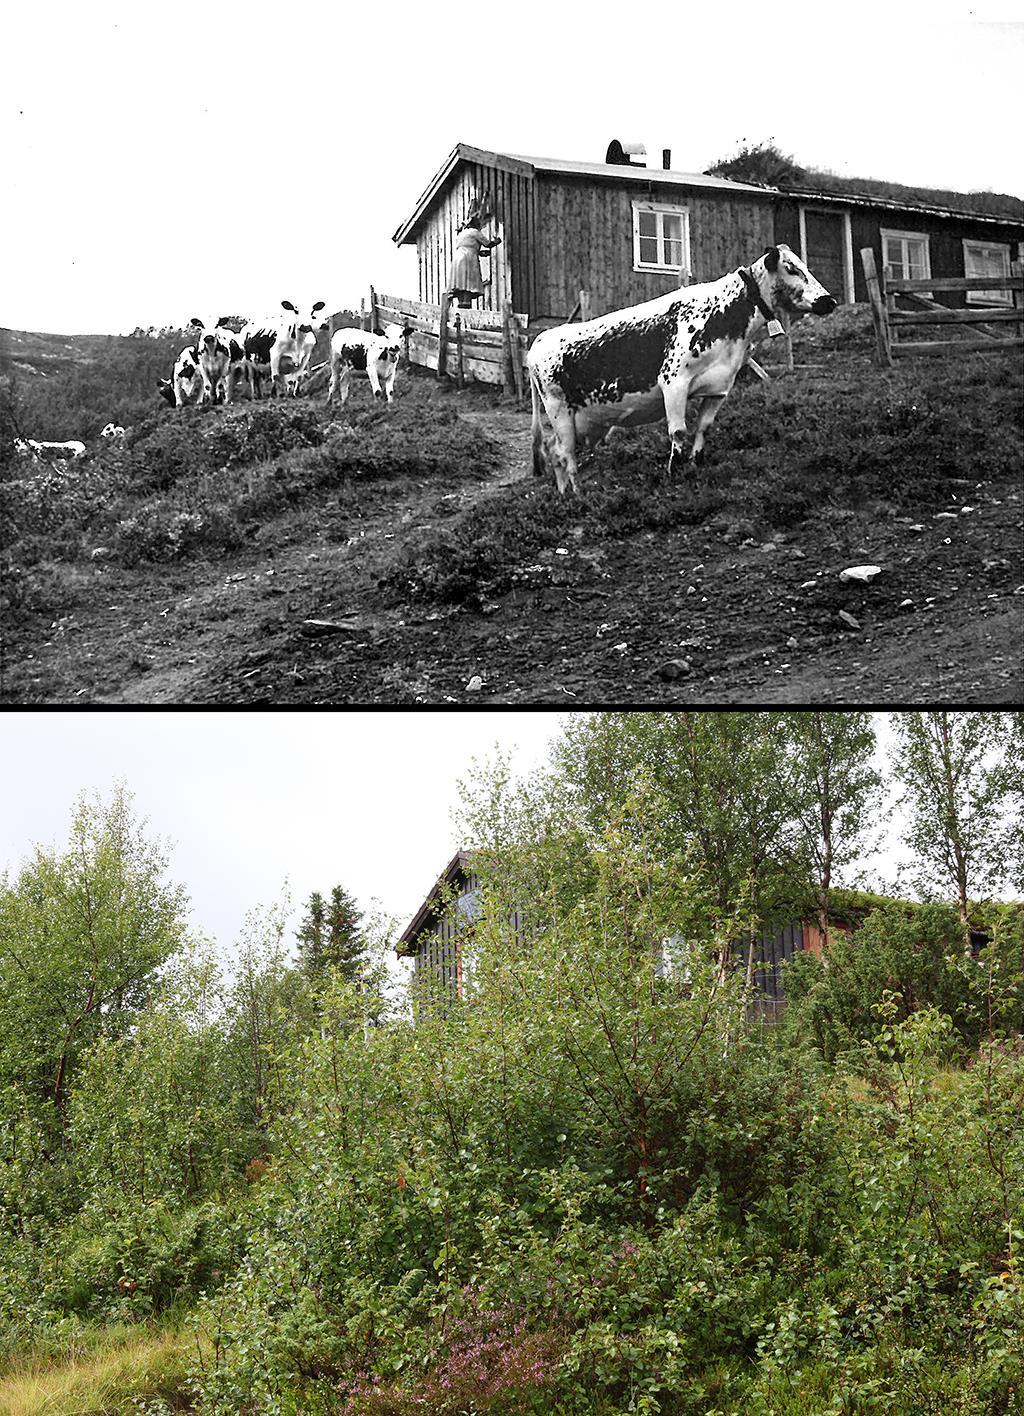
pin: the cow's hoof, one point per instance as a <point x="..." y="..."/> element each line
<point x="677" y="465"/>
<point x="698" y="458"/>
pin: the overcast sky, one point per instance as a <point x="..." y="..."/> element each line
<point x="248" y="801"/>
<point x="159" y="162"/>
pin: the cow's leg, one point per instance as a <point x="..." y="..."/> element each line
<point x="373" y="374"/>
<point x="709" y="409"/>
<point x="675" y="413"/>
<point x="389" y="384"/>
<point x="229" y="384"/>
<point x="278" y="382"/>
<point x="563" y="423"/>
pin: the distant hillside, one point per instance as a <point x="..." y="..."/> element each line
<point x="25" y="352"/>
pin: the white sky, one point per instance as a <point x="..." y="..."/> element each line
<point x="160" y="161"/>
<point x="358" y="799"/>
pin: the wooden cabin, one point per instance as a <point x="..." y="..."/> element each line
<point x="622" y="232"/>
<point x="436" y="935"/>
<point x="625" y="232"/>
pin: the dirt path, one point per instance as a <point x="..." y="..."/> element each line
<point x="220" y="610"/>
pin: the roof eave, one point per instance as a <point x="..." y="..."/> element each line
<point x="461" y="152"/>
<point x="864" y="199"/>
<point x="458" y="865"/>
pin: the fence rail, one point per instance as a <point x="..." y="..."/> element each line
<point x="889" y="321"/>
<point x="487" y="345"/>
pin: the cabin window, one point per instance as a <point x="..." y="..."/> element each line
<point x="661" y="238"/>
<point x="987" y="258"/>
<point x="905" y="255"/>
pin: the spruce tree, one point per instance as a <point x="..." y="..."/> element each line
<point x="344" y="946"/>
<point x="312" y="937"/>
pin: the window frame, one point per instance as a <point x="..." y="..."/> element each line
<point x="886" y="234"/>
<point x="661" y="209"/>
<point x="1002" y="298"/>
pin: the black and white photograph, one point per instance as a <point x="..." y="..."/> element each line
<point x="602" y="358"/>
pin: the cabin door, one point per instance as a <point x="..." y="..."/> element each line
<point x="823" y="235"/>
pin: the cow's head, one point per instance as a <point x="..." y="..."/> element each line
<point x="309" y="319"/>
<point x="394" y="334"/>
<point x="793" y="286"/>
<point x="166" y="390"/>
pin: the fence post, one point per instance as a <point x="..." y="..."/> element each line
<point x="373" y="309"/>
<point x="507" y="347"/>
<point x="442" y="336"/>
<point x="458" y="350"/>
<point x="878" y="313"/>
<point x="584" y="305"/>
<point x="1017" y="270"/>
<point x="517" y="361"/>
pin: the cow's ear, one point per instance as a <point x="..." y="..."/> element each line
<point x="771" y="257"/>
<point x="195" y="321"/>
<point x="287" y="305"/>
<point x="319" y="306"/>
<point x="222" y="323"/>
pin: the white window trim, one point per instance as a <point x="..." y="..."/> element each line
<point x="990" y="297"/>
<point x="909" y="236"/>
<point x="685" y="271"/>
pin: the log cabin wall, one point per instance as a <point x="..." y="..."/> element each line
<point x="585" y="240"/>
<point x="946" y="235"/>
<point x="510" y="265"/>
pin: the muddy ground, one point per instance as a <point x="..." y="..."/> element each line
<point x="731" y="595"/>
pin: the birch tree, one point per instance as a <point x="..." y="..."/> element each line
<point x="956" y="790"/>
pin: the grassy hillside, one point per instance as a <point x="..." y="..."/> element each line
<point x="420" y="530"/>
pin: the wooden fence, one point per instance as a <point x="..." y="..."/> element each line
<point x="464" y="344"/>
<point x="891" y="323"/>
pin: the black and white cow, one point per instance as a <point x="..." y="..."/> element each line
<point x="186" y="383"/>
<point x="282" y="345"/>
<point x="223" y="361"/>
<point x="113" y="433"/>
<point x="376" y="355"/>
<point x="37" y="451"/>
<point x="643" y="364"/>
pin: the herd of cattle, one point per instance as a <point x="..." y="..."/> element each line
<point x="622" y="369"/>
<point x="272" y="356"/>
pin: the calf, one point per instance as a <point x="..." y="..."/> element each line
<point x="642" y="364"/>
<point x="282" y="345"/>
<point x="38" y="451"/>
<point x="114" y="433"/>
<point x="186" y="384"/>
<point x="377" y="355"/>
<point x="222" y="361"/>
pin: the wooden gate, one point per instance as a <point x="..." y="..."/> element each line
<point x="1000" y="330"/>
<point x="464" y="344"/>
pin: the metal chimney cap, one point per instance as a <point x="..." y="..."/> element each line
<point x="619" y="154"/>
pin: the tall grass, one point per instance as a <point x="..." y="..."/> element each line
<point x="103" y="1371"/>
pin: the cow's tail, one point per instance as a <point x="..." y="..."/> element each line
<point x="536" y="427"/>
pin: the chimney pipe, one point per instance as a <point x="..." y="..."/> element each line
<point x="666" y="158"/>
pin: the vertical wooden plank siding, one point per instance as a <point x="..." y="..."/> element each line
<point x="584" y="240"/>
